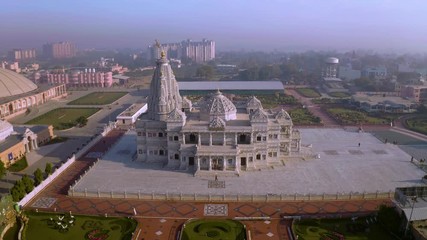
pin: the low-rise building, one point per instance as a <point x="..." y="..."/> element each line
<point x="88" y="77"/>
<point x="383" y="103"/>
<point x="16" y="141"/>
<point x="127" y="118"/>
<point x="417" y="93"/>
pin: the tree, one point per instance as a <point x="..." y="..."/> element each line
<point x="28" y="183"/>
<point x="48" y="169"/>
<point x="2" y="169"/>
<point x="38" y="176"/>
<point x="82" y="121"/>
<point x="205" y="71"/>
<point x="18" y="191"/>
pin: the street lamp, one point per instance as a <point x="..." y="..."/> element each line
<point x="414" y="200"/>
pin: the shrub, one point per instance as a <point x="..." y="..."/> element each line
<point x="28" y="183"/>
<point x="48" y="169"/>
<point x="38" y="176"/>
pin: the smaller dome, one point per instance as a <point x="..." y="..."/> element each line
<point x="254" y="102"/>
<point x="259" y="116"/>
<point x="220" y="105"/>
<point x="217" y="123"/>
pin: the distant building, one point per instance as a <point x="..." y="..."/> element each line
<point x="417" y="93"/>
<point x="20" y="54"/>
<point x="375" y="73"/>
<point x="88" y="77"/>
<point x="59" y="50"/>
<point x="198" y="52"/>
<point x="330" y="67"/>
<point x="13" y="66"/>
<point x="383" y="102"/>
<point x="348" y="73"/>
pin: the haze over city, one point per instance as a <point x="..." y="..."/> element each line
<point x="382" y="25"/>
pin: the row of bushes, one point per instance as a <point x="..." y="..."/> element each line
<point x="26" y="184"/>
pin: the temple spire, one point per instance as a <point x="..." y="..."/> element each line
<point x="164" y="92"/>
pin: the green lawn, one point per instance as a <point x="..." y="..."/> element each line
<point x="319" y="229"/>
<point x="41" y="227"/>
<point x="63" y="118"/>
<point x="19" y="165"/>
<point x="98" y="98"/>
<point x="418" y="124"/>
<point x="308" y="92"/>
<point x="348" y="116"/>
<point x="301" y="116"/>
<point x="339" y="94"/>
<point x="213" y="229"/>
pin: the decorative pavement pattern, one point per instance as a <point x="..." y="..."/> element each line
<point x="216" y="184"/>
<point x="44" y="202"/>
<point x="216" y="210"/>
<point x="151" y="213"/>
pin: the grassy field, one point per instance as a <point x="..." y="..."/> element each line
<point x="40" y="226"/>
<point x="19" y="165"/>
<point x="339" y="94"/>
<point x="301" y="116"/>
<point x="98" y="98"/>
<point x="213" y="229"/>
<point x="308" y="92"/>
<point x="63" y="118"/>
<point x="319" y="229"/>
<point x="348" y="116"/>
<point x="418" y="124"/>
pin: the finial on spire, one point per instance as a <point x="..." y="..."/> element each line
<point x="162" y="53"/>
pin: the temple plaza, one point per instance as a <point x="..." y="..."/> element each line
<point x="340" y="166"/>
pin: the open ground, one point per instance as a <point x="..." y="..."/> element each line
<point x="63" y="118"/>
<point x="343" y="166"/>
<point x="98" y="98"/>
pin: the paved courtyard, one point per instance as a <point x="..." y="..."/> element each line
<point x="343" y="167"/>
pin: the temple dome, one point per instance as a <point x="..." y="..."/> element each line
<point x="220" y="105"/>
<point x="13" y="84"/>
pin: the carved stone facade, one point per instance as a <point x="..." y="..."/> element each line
<point x="213" y="135"/>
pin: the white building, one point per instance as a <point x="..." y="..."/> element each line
<point x="214" y="135"/>
<point x="128" y="117"/>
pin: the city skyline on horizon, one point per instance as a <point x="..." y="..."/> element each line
<point x="380" y="25"/>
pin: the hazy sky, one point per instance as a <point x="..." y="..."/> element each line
<point x="398" y="25"/>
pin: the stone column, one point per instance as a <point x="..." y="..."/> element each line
<point x="199" y="139"/>
<point x="35" y="143"/>
<point x="210" y="139"/>
<point x="235" y="138"/>
<point x="252" y="137"/>
<point x="210" y="163"/>
<point x="224" y="163"/>
<point x="183" y="138"/>
<point x="27" y="148"/>
<point x="225" y="140"/>
<point x="198" y="163"/>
